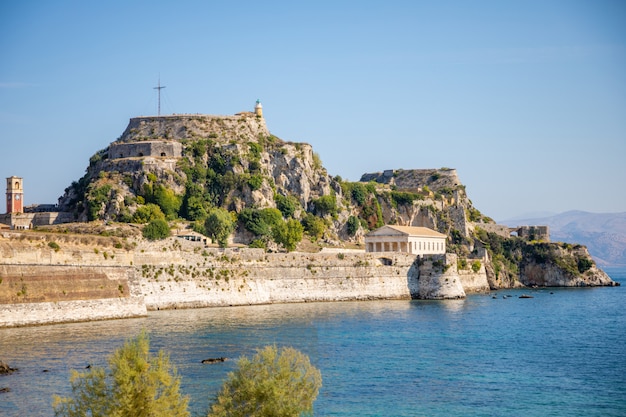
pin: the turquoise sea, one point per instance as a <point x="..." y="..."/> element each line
<point x="560" y="353"/>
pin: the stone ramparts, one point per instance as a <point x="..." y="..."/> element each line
<point x="42" y="283"/>
<point x="149" y="148"/>
<point x="44" y="294"/>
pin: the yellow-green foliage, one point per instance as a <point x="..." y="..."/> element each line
<point x="137" y="384"/>
<point x="275" y="382"/>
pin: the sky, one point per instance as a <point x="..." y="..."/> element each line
<point x="526" y="99"/>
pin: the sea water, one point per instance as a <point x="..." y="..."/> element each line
<point x="560" y="353"/>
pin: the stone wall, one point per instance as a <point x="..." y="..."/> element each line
<point x="30" y="220"/>
<point x="233" y="279"/>
<point x="152" y="148"/>
<point x="43" y="294"/>
<point x="82" y="280"/>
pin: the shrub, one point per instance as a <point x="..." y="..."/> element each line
<point x="286" y="204"/>
<point x="137" y="383"/>
<point x="359" y="193"/>
<point x="96" y="198"/>
<point x="168" y="201"/>
<point x="55" y="246"/>
<point x="275" y="382"/>
<point x="156" y="229"/>
<point x="146" y="213"/>
<point x="288" y="233"/>
<point x="313" y="226"/>
<point x="476" y="266"/>
<point x="326" y="204"/>
<point x="353" y="225"/>
<point x="584" y="264"/>
<point x="218" y="226"/>
<point x="255" y="182"/>
<point x="404" y="198"/>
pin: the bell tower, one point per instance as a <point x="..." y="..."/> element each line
<point x="15" y="195"/>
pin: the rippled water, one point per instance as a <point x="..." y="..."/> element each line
<point x="562" y="352"/>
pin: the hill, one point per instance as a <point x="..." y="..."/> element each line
<point x="230" y="178"/>
<point x="604" y="234"/>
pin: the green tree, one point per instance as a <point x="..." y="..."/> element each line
<point x="326" y="204"/>
<point x="148" y="212"/>
<point x="219" y="225"/>
<point x="168" y="201"/>
<point x="286" y="204"/>
<point x="275" y="382"/>
<point x="353" y="225"/>
<point x="156" y="229"/>
<point x="97" y="198"/>
<point x="314" y="226"/>
<point x="288" y="234"/>
<point x="138" y="385"/>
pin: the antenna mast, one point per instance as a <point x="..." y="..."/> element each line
<point x="159" y="87"/>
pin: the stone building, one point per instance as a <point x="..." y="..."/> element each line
<point x="19" y="217"/>
<point x="406" y="239"/>
<point x="149" y="148"/>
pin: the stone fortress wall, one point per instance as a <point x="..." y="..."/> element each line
<point x="176" y="273"/>
<point x="151" y="148"/>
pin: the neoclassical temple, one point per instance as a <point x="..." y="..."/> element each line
<point x="406" y="239"/>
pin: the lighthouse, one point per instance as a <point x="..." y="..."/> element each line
<point x="258" y="109"/>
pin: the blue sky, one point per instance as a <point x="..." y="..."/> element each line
<point x="526" y="99"/>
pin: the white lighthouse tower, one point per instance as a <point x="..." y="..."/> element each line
<point x="258" y="109"/>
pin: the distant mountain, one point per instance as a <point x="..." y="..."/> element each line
<point x="604" y="234"/>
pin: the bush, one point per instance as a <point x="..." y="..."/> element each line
<point x="584" y="264"/>
<point x="168" y="201"/>
<point x="218" y="226"/>
<point x="275" y="382"/>
<point x="313" y="226"/>
<point x="138" y="384"/>
<point x="476" y="266"/>
<point x="286" y="204"/>
<point x="255" y="182"/>
<point x="260" y="222"/>
<point x="96" y="198"/>
<point x="156" y="229"/>
<point x="145" y="214"/>
<point x="288" y="234"/>
<point x="359" y="193"/>
<point x="326" y="204"/>
<point x="353" y="225"/>
<point x="401" y="198"/>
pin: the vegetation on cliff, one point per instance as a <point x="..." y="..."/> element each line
<point x="234" y="180"/>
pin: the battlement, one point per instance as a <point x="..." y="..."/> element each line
<point x="532" y="232"/>
<point x="415" y="179"/>
<point x="185" y="127"/>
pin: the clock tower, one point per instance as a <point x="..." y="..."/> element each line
<point x="15" y="195"/>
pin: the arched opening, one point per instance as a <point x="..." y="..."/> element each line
<point x="17" y="184"/>
<point x="163" y="154"/>
<point x="386" y="261"/>
<point x="140" y="153"/>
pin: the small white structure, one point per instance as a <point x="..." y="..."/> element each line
<point x="406" y="239"/>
